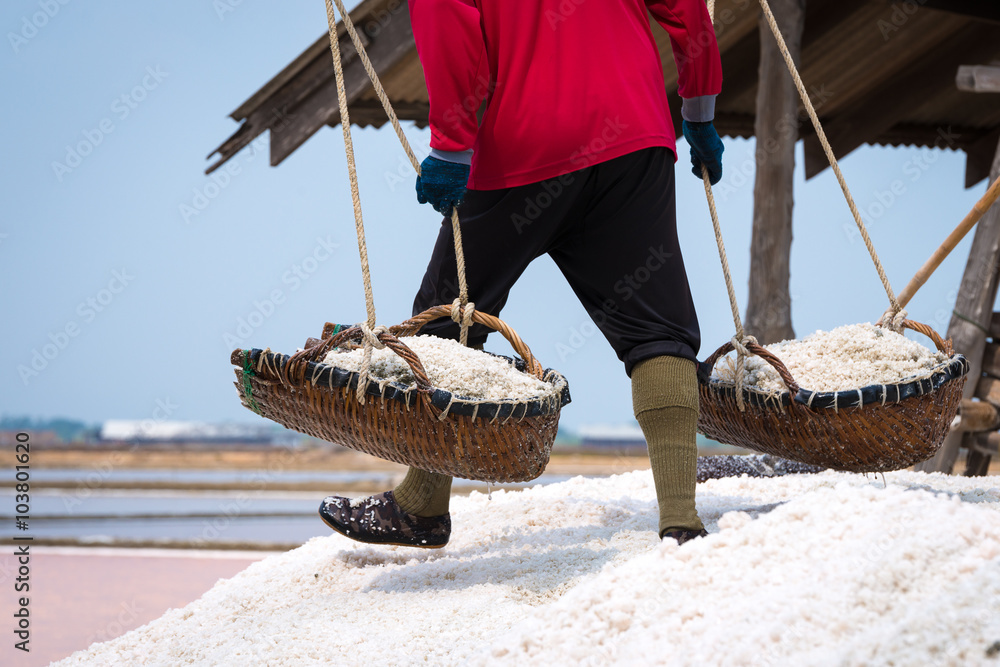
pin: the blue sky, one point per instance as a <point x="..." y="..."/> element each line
<point x="117" y="302"/>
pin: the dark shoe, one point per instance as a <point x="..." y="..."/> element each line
<point x="379" y="520"/>
<point x="682" y="535"/>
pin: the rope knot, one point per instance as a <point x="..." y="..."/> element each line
<point x="462" y="314"/>
<point x="739" y="344"/>
<point x="897" y="321"/>
<point x="370" y="335"/>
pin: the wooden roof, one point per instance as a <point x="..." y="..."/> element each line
<point x="879" y="73"/>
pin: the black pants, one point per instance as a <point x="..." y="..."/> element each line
<point x="611" y="229"/>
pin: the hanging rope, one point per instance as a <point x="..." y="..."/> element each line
<point x="740" y="340"/>
<point x="462" y="308"/>
<point x="894" y="308"/>
<point x="345" y="122"/>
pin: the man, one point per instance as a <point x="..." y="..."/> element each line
<point x="574" y="157"/>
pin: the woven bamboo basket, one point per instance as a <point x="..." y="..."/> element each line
<point x="416" y="425"/>
<point x="871" y="429"/>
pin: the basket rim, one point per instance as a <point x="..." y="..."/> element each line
<point x="325" y="376"/>
<point x="955" y="367"/>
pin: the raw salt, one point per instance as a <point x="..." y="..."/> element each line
<point x="848" y="357"/>
<point x="452" y="367"/>
<point x="827" y="569"/>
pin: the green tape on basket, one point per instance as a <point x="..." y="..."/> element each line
<point x="247" y="388"/>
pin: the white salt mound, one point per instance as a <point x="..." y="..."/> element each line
<point x="828" y="569"/>
<point x="848" y="357"/>
<point x="452" y="367"/>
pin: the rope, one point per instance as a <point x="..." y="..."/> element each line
<point x="345" y="122"/>
<point x="463" y="314"/>
<point x="894" y="306"/>
<point x="370" y="336"/>
<point x="373" y="75"/>
<point x="740" y="340"/>
<point x="394" y="119"/>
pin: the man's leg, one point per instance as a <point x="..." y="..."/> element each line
<point x="624" y="263"/>
<point x="423" y="493"/>
<point x="665" y="401"/>
<point x="502" y="232"/>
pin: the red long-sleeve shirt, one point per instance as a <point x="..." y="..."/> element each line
<point x="570" y="83"/>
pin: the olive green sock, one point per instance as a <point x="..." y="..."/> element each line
<point x="665" y="401"/>
<point x="423" y="493"/>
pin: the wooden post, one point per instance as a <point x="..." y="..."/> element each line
<point x="973" y="315"/>
<point x="977" y="416"/>
<point x="769" y="314"/>
<point x="978" y="78"/>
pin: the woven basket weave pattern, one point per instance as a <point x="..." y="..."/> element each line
<point x="421" y="427"/>
<point x="501" y="451"/>
<point x="873" y="437"/>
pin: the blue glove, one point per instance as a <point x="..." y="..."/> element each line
<point x="442" y="184"/>
<point x="706" y="149"/>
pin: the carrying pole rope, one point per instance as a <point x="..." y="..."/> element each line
<point x="462" y="309"/>
<point x="896" y="313"/>
<point x="369" y="329"/>
<point x="740" y="340"/>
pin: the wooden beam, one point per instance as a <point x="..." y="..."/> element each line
<point x="274" y="112"/>
<point x="983" y="10"/>
<point x="977" y="416"/>
<point x="734" y="20"/>
<point x="978" y="78"/>
<point x="979" y="156"/>
<point x="392" y="42"/>
<point x="974" y="304"/>
<point x="894" y="99"/>
<point x="769" y="306"/>
<point x="270" y="107"/>
<point x="304" y="59"/>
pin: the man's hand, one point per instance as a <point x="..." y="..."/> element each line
<point x="442" y="184"/>
<point x="706" y="149"/>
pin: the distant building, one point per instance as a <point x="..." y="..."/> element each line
<point x="38" y="438"/>
<point x="612" y="437"/>
<point x="628" y="439"/>
<point x="193" y="433"/>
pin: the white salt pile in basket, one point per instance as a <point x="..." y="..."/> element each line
<point x="848" y="357"/>
<point x="452" y="367"/>
<point x="827" y="569"/>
